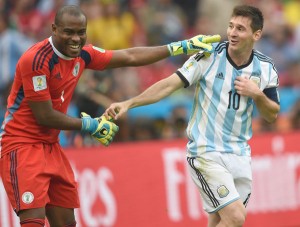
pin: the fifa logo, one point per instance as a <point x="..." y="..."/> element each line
<point x="39" y="81"/>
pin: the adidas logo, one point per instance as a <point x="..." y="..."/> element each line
<point x="58" y="76"/>
<point x="220" y="76"/>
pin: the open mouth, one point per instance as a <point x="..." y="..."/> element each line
<point x="233" y="42"/>
<point x="75" y="47"/>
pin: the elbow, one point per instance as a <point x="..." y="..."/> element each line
<point x="272" y="118"/>
<point x="42" y="121"/>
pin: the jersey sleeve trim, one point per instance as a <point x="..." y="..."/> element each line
<point x="85" y="56"/>
<point x="272" y="94"/>
<point x="184" y="80"/>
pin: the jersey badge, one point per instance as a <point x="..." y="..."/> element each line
<point x="99" y="49"/>
<point x="27" y="197"/>
<point x="76" y="69"/>
<point x="255" y="79"/>
<point x="222" y="191"/>
<point x="189" y="66"/>
<point x="39" y="82"/>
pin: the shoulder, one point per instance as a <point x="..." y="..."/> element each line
<point x="262" y="57"/>
<point x="263" y="60"/>
<point x="91" y="48"/>
<point x="37" y="56"/>
<point x="220" y="47"/>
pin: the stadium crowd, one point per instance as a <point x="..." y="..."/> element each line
<point x="115" y="24"/>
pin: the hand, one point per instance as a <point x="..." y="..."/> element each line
<point x="246" y="87"/>
<point x="115" y="110"/>
<point x="100" y="128"/>
<point x="194" y="45"/>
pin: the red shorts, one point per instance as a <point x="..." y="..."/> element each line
<point x="36" y="175"/>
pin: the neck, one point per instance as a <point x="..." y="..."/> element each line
<point x="240" y="58"/>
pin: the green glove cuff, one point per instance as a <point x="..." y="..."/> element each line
<point x="175" y="48"/>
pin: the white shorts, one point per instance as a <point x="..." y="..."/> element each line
<point x="221" y="178"/>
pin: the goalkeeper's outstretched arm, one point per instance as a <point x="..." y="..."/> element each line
<point x="138" y="56"/>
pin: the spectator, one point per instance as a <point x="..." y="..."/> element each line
<point x="28" y="19"/>
<point x="278" y="46"/>
<point x="164" y="21"/>
<point x="12" y="45"/>
<point x="113" y="29"/>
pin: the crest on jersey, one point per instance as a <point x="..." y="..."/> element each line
<point x="222" y="191"/>
<point x="99" y="49"/>
<point x="27" y="197"/>
<point x="255" y="79"/>
<point x="188" y="66"/>
<point x="39" y="82"/>
<point x="76" y="69"/>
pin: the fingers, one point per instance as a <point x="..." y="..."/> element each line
<point x="211" y="39"/>
<point x="83" y="114"/>
<point x="115" y="128"/>
<point x="116" y="110"/>
<point x="201" y="45"/>
<point x="111" y="112"/>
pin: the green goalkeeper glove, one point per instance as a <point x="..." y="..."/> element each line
<point x="100" y="128"/>
<point x="194" y="45"/>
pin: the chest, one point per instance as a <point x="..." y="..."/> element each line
<point x="222" y="79"/>
<point x="64" y="77"/>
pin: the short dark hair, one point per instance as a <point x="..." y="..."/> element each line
<point x="256" y="16"/>
<point x="68" y="9"/>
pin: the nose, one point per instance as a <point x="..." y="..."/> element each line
<point x="232" y="32"/>
<point x="76" y="38"/>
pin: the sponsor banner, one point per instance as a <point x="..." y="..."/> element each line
<point x="146" y="184"/>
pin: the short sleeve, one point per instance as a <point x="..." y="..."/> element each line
<point x="96" y="58"/>
<point x="35" y="83"/>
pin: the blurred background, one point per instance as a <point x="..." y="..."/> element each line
<point x="116" y="24"/>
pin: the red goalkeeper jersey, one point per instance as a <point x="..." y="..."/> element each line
<point x="43" y="73"/>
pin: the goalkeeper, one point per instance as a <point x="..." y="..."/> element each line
<point x="36" y="174"/>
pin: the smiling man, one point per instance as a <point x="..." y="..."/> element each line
<point x="228" y="83"/>
<point x="36" y="174"/>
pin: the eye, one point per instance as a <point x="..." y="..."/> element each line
<point x="83" y="32"/>
<point x="68" y="32"/>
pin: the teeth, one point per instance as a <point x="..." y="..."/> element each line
<point x="74" y="46"/>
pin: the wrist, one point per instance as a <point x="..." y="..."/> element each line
<point x="257" y="95"/>
<point x="175" y="48"/>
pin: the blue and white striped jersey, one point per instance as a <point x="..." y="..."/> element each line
<point x="221" y="118"/>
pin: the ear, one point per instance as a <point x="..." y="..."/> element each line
<point x="257" y="35"/>
<point x="54" y="29"/>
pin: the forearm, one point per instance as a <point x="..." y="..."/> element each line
<point x="45" y="115"/>
<point x="267" y="108"/>
<point x="156" y="92"/>
<point x="57" y="120"/>
<point x="149" y="96"/>
<point x="138" y="56"/>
